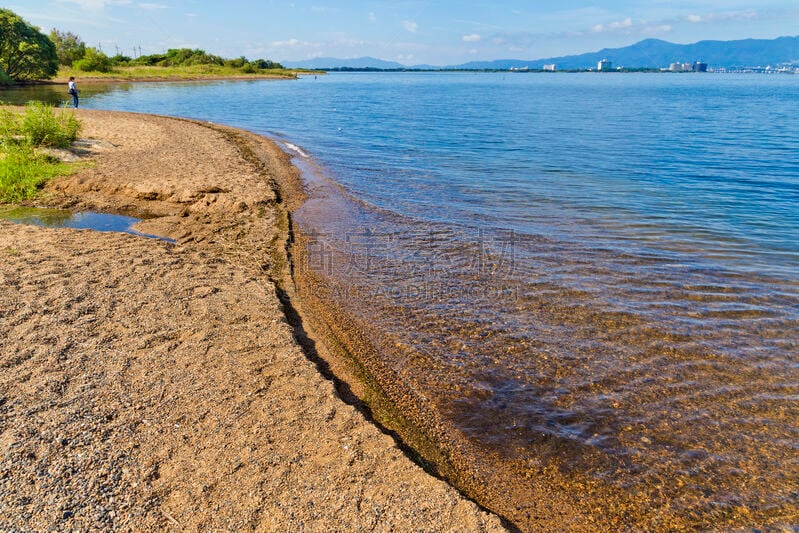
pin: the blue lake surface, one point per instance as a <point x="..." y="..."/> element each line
<point x="702" y="164"/>
<point x="611" y="261"/>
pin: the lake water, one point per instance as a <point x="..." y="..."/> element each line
<point x="609" y="263"/>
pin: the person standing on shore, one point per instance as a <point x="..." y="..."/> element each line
<point x="73" y="90"/>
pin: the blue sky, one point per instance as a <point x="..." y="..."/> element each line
<point x="409" y="31"/>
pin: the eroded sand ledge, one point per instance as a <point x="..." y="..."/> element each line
<point x="145" y="385"/>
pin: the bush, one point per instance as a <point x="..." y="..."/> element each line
<point x="264" y="64"/>
<point x="5" y="79"/>
<point x="23" y="169"/>
<point x="120" y="59"/>
<point x="236" y="63"/>
<point x="93" y="61"/>
<point x="40" y="126"/>
<point x="149" y="61"/>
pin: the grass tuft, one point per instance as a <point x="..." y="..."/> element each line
<point x="23" y="172"/>
<point x="23" y="169"/>
<point x="42" y="127"/>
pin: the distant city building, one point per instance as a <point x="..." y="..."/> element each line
<point x="696" y="66"/>
<point x="605" y="64"/>
<point x="550" y="68"/>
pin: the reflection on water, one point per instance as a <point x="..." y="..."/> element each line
<point x="61" y="218"/>
<point x="56" y="94"/>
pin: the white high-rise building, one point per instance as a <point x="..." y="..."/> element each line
<point x="605" y="64"/>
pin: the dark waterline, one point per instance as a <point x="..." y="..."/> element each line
<point x="609" y="261"/>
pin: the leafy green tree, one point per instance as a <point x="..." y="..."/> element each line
<point x="4" y="79"/>
<point x="154" y="59"/>
<point x="68" y="46"/>
<point x="185" y="57"/>
<point x="93" y="61"/>
<point x="120" y="59"/>
<point x="236" y="63"/>
<point x="25" y="52"/>
<point x="265" y="64"/>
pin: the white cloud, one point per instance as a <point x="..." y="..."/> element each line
<point x="471" y="38"/>
<point x="613" y="26"/>
<point x="290" y="43"/>
<point x="721" y="17"/>
<point x="152" y="7"/>
<point x="410" y="26"/>
<point x="629" y="26"/>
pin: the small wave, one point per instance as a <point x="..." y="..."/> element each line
<point x="295" y="148"/>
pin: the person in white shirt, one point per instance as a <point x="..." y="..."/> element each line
<point x="73" y="90"/>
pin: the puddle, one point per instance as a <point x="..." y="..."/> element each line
<point x="61" y="218"/>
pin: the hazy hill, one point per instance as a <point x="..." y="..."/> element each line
<point x="332" y="62"/>
<point x="655" y="53"/>
<point x="649" y="53"/>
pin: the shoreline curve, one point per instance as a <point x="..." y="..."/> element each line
<point x="148" y="385"/>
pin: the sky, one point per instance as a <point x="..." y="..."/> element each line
<point x="411" y="32"/>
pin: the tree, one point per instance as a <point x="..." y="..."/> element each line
<point x="265" y="64"/>
<point x="68" y="46"/>
<point x="94" y="60"/>
<point x="25" y="52"/>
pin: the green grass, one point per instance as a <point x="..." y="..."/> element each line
<point x="24" y="169"/>
<point x="177" y="73"/>
<point x="23" y="173"/>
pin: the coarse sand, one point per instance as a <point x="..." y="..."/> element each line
<point x="147" y="386"/>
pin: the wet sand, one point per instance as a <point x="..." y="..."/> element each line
<point x="148" y="385"/>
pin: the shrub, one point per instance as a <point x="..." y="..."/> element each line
<point x="236" y="63"/>
<point x="40" y="126"/>
<point x="120" y="59"/>
<point x="264" y="64"/>
<point x="23" y="169"/>
<point x="93" y="61"/>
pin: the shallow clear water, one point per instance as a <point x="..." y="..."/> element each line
<point x="608" y="260"/>
<point x="62" y="218"/>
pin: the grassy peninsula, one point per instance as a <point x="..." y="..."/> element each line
<point x="171" y="73"/>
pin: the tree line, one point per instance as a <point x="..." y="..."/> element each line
<point x="28" y="54"/>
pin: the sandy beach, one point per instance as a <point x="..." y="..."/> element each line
<point x="155" y="386"/>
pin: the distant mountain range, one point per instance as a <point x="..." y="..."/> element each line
<point x="649" y="53"/>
